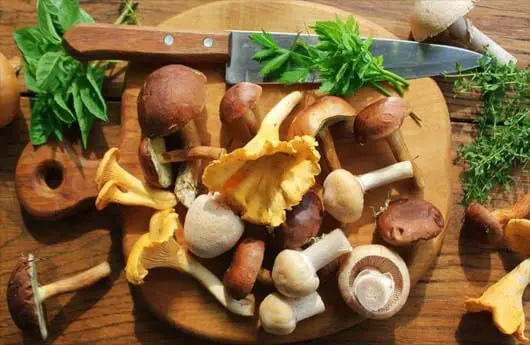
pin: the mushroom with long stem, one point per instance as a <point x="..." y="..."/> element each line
<point x="374" y="281"/>
<point x="294" y="272"/>
<point x="159" y="248"/>
<point x="447" y="23"/>
<point x="344" y="192"/>
<point x="279" y="314"/>
<point x="383" y="120"/>
<point x="25" y="297"/>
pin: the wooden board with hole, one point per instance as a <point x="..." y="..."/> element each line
<point x="179" y="299"/>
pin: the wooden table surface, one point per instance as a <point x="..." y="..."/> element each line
<point x="107" y="314"/>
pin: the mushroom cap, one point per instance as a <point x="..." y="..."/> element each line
<point x="406" y="221"/>
<point x="238" y="100"/>
<point x="155" y="173"/>
<point x="211" y="228"/>
<point x="170" y="97"/>
<point x="517" y="236"/>
<point x="105" y="171"/>
<point x="429" y="18"/>
<point x="343" y="196"/>
<point x="276" y="315"/>
<point x="380" y="119"/>
<point x="382" y="259"/>
<point x="293" y="274"/>
<point x="480" y="216"/>
<point x="22" y="298"/>
<point x="302" y="222"/>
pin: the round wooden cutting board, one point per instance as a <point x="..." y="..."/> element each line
<point x="182" y="301"/>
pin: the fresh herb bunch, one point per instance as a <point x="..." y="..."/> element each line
<point x="342" y="59"/>
<point x="67" y="91"/>
<point x="503" y="128"/>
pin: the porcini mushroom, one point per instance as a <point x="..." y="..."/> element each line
<point x="294" y="273"/>
<point x="211" y="228"/>
<point x="238" y="110"/>
<point x="169" y="101"/>
<point x="315" y="119"/>
<point x="279" y="315"/>
<point x="154" y="159"/>
<point x="241" y="275"/>
<point x="344" y="192"/>
<point x="435" y="18"/>
<point x="115" y="184"/>
<point x="159" y="248"/>
<point x="302" y="222"/>
<point x="494" y="222"/>
<point x="25" y="297"/>
<point x="406" y="221"/>
<point x="374" y="281"/>
<point x="267" y="176"/>
<point x="382" y="120"/>
<point x="504" y="300"/>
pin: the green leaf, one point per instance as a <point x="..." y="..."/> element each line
<point x="294" y="76"/>
<point x="84" y="17"/>
<point x="40" y="127"/>
<point x="274" y="64"/>
<point x="29" y="77"/>
<point x="30" y="42"/>
<point x="57" y="128"/>
<point x="84" y="119"/>
<point x="47" y="71"/>
<point x="264" y="54"/>
<point x="61" y="110"/>
<point x="45" y="23"/>
<point x="69" y="14"/>
<point x="92" y="97"/>
<point x="264" y="39"/>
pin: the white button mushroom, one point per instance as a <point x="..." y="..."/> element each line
<point x="294" y="272"/>
<point x="211" y="228"/>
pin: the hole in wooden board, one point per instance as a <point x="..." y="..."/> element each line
<point x="50" y="174"/>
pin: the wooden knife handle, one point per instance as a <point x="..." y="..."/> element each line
<point x="127" y="42"/>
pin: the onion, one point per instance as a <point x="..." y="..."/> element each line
<point x="9" y="93"/>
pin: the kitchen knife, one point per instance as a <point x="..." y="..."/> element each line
<point x="121" y="42"/>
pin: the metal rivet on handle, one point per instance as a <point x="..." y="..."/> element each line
<point x="208" y="42"/>
<point x="169" y="40"/>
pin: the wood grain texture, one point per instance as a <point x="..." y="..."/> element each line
<point x="105" y="314"/>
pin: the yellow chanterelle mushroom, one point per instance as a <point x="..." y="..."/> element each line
<point x="504" y="300"/>
<point x="267" y="176"/>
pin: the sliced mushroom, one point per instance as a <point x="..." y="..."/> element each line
<point x="294" y="273"/>
<point x="382" y="120"/>
<point x="448" y="25"/>
<point x="344" y="192"/>
<point x="25" y="297"/>
<point x="406" y="221"/>
<point x="374" y="281"/>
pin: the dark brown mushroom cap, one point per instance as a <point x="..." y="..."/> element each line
<point x="170" y="97"/>
<point x="380" y="119"/>
<point x="406" y="221"/>
<point x="238" y="100"/>
<point x="20" y="298"/>
<point x="480" y="216"/>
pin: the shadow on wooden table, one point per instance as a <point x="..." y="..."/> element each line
<point x="13" y="139"/>
<point x="473" y="323"/>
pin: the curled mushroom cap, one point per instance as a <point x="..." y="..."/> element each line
<point x="170" y="97"/>
<point x="374" y="281"/>
<point x="406" y="221"/>
<point x="517" y="236"/>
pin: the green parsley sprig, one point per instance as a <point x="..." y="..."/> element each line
<point x="342" y="59"/>
<point x="502" y="141"/>
<point x="67" y="91"/>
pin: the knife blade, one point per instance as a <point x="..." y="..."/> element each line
<point x="105" y="41"/>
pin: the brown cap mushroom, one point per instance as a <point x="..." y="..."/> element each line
<point x="374" y="281"/>
<point x="383" y="120"/>
<point x="494" y="222"/>
<point x="438" y="18"/>
<point x="407" y="221"/>
<point x="238" y="110"/>
<point x="344" y="192"/>
<point x="25" y="297"/>
<point x="302" y="222"/>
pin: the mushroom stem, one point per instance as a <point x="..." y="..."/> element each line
<point x="188" y="178"/>
<point x="246" y="127"/>
<point x="197" y="152"/>
<point x="464" y="31"/>
<point x="401" y="153"/>
<point x="373" y="289"/>
<point x="328" y="148"/>
<point x="392" y="173"/>
<point x="327" y="249"/>
<point x="279" y="112"/>
<point x="77" y="282"/>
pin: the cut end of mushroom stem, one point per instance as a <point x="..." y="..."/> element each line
<point x="197" y="152"/>
<point x="373" y="289"/>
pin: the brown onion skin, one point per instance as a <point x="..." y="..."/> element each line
<point x="9" y="92"/>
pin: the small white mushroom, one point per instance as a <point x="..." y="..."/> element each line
<point x="279" y="315"/>
<point x="374" y="281"/>
<point x="211" y="228"/>
<point x="295" y="272"/>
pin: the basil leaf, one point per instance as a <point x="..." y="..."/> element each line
<point x="84" y="17"/>
<point x="61" y="110"/>
<point x="83" y="118"/>
<point x="92" y="97"/>
<point x="69" y="14"/>
<point x="30" y="42"/>
<point x="47" y="71"/>
<point x="57" y="128"/>
<point x="45" y="23"/>
<point x="40" y="127"/>
<point x="29" y="77"/>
